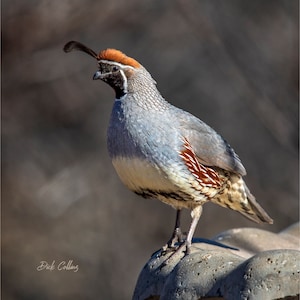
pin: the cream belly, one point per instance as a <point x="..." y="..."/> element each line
<point x="150" y="182"/>
<point x="138" y="174"/>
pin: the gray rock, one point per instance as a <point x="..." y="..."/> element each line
<point x="250" y="241"/>
<point x="186" y="280"/>
<point x="268" y="275"/>
<point x="249" y="264"/>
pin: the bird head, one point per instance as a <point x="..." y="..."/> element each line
<point x="115" y="68"/>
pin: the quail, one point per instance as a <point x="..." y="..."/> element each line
<point x="163" y="152"/>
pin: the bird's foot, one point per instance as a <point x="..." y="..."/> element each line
<point x="172" y="245"/>
<point x="177" y="237"/>
<point x="181" y="251"/>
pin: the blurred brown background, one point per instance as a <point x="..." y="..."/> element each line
<point x="232" y="63"/>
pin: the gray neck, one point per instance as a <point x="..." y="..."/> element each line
<point x="142" y="92"/>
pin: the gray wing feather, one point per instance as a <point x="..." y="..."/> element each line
<point x="210" y="148"/>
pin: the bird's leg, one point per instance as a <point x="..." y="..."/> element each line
<point x="196" y="214"/>
<point x="177" y="236"/>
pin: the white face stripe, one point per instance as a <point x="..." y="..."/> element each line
<point x="122" y="67"/>
<point x="116" y="64"/>
<point x="124" y="81"/>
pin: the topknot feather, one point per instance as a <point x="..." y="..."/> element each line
<point x="117" y="56"/>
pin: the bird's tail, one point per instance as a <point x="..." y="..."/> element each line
<point x="258" y="214"/>
<point x="237" y="196"/>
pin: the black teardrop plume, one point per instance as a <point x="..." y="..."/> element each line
<point x="73" y="45"/>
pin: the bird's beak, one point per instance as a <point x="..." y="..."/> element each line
<point x="97" y="75"/>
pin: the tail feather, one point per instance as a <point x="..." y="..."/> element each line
<point x="257" y="213"/>
<point x="237" y="196"/>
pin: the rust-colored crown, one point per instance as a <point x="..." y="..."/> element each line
<point x="108" y="54"/>
<point x="118" y="56"/>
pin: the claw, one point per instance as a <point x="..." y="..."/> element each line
<point x="178" y="254"/>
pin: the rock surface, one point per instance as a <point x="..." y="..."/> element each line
<point x="245" y="263"/>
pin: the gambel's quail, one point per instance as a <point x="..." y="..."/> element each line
<point x="160" y="151"/>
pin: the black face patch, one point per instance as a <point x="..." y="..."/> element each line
<point x="107" y="68"/>
<point x="112" y="75"/>
<point x="116" y="81"/>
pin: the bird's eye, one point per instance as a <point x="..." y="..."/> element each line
<point x="115" y="68"/>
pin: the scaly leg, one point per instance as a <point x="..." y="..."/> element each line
<point x="177" y="236"/>
<point x="196" y="214"/>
